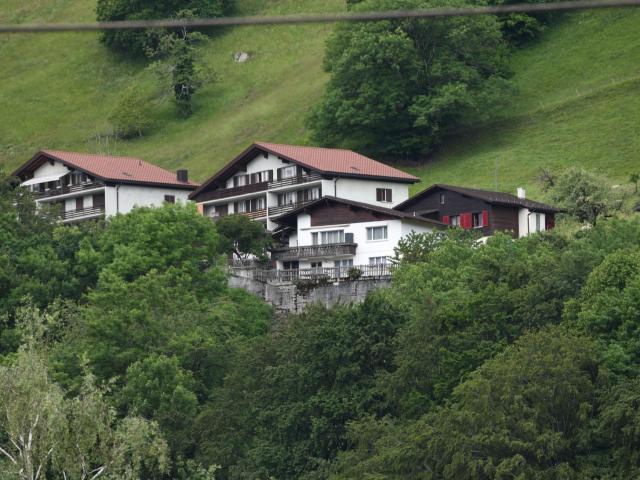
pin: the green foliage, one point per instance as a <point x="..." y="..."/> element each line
<point x="136" y="42"/>
<point x="241" y="236"/>
<point x="77" y="436"/>
<point x="132" y="114"/>
<point x="158" y="388"/>
<point x="397" y="87"/>
<point x="584" y="195"/>
<point x="180" y="67"/>
<point x="288" y="398"/>
<point x="520" y="415"/>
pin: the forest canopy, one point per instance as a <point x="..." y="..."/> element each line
<point x="514" y="359"/>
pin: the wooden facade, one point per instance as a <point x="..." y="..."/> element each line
<point x="443" y="204"/>
<point x="338" y="213"/>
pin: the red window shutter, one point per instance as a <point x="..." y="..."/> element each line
<point x="485" y="218"/>
<point x="445" y="219"/>
<point x="465" y="220"/>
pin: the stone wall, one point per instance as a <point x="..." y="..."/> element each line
<point x="287" y="297"/>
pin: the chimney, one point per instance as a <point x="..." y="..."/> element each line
<point x="183" y="175"/>
<point x="521" y="192"/>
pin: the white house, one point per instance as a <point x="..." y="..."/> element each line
<point x="89" y="186"/>
<point x="338" y="233"/>
<point x="268" y="180"/>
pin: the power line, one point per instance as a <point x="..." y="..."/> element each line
<point x="323" y="18"/>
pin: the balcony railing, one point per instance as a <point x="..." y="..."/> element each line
<point x="314" y="251"/>
<point x="295" y="180"/>
<point x="82" y="213"/>
<point x="54" y="192"/>
<point x="256" y="214"/>
<point x="279" y="210"/>
<point x="321" y="274"/>
<point x="232" y="192"/>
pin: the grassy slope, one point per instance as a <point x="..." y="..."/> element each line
<point x="57" y="90"/>
<point x="577" y="103"/>
<point x="578" y="99"/>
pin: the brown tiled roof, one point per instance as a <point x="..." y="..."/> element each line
<point x="329" y="161"/>
<point x="128" y="170"/>
<point x="494" y="198"/>
<point x="367" y="206"/>
<point x="336" y="160"/>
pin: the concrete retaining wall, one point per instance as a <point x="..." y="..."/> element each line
<point x="287" y="297"/>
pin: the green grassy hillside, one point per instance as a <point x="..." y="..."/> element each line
<point x="57" y="90"/>
<point x="577" y="102"/>
<point x="577" y="97"/>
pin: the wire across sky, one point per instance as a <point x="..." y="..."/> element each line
<point x="320" y="18"/>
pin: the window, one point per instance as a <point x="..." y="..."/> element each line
<point x="476" y="220"/>
<point x="442" y="199"/>
<point x="383" y="194"/>
<point x="454" y="220"/>
<point x="313" y="193"/>
<point x="294" y="265"/>
<point x="377" y="261"/>
<point x="538" y="222"/>
<point x="288" y="198"/>
<point x="343" y="263"/>
<point x="170" y="198"/>
<point x="376" y="233"/>
<point x="331" y="236"/>
<point x="316" y="264"/>
<point x="288" y="172"/>
<point x="240" y="181"/>
<point x="79" y="203"/>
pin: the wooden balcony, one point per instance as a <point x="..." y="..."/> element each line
<point x="232" y="192"/>
<point x="315" y="251"/>
<point x="256" y="214"/>
<point x="54" y="192"/>
<point x="82" y="214"/>
<point x="297" y="180"/>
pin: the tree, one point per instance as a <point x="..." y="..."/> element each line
<point x="179" y="66"/>
<point x="78" y="436"/>
<point x="242" y="237"/>
<point x="136" y="43"/>
<point x="584" y="195"/>
<point x="524" y="414"/>
<point x="397" y="87"/>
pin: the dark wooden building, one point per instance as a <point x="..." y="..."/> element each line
<point x="481" y="209"/>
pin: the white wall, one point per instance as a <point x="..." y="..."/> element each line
<point x="122" y="199"/>
<point x="260" y="164"/>
<point x="396" y="229"/>
<point x="47" y="169"/>
<point x="527" y="223"/>
<point x="364" y="191"/>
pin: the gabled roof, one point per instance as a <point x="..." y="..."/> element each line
<point x="108" y="168"/>
<point x="493" y="198"/>
<point x="328" y="161"/>
<point x="289" y="216"/>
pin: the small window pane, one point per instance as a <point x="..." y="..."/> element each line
<point x="376" y="233"/>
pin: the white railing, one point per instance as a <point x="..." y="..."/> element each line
<point x="319" y="274"/>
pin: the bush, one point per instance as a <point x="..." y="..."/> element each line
<point x="132" y="115"/>
<point x="584" y="195"/>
